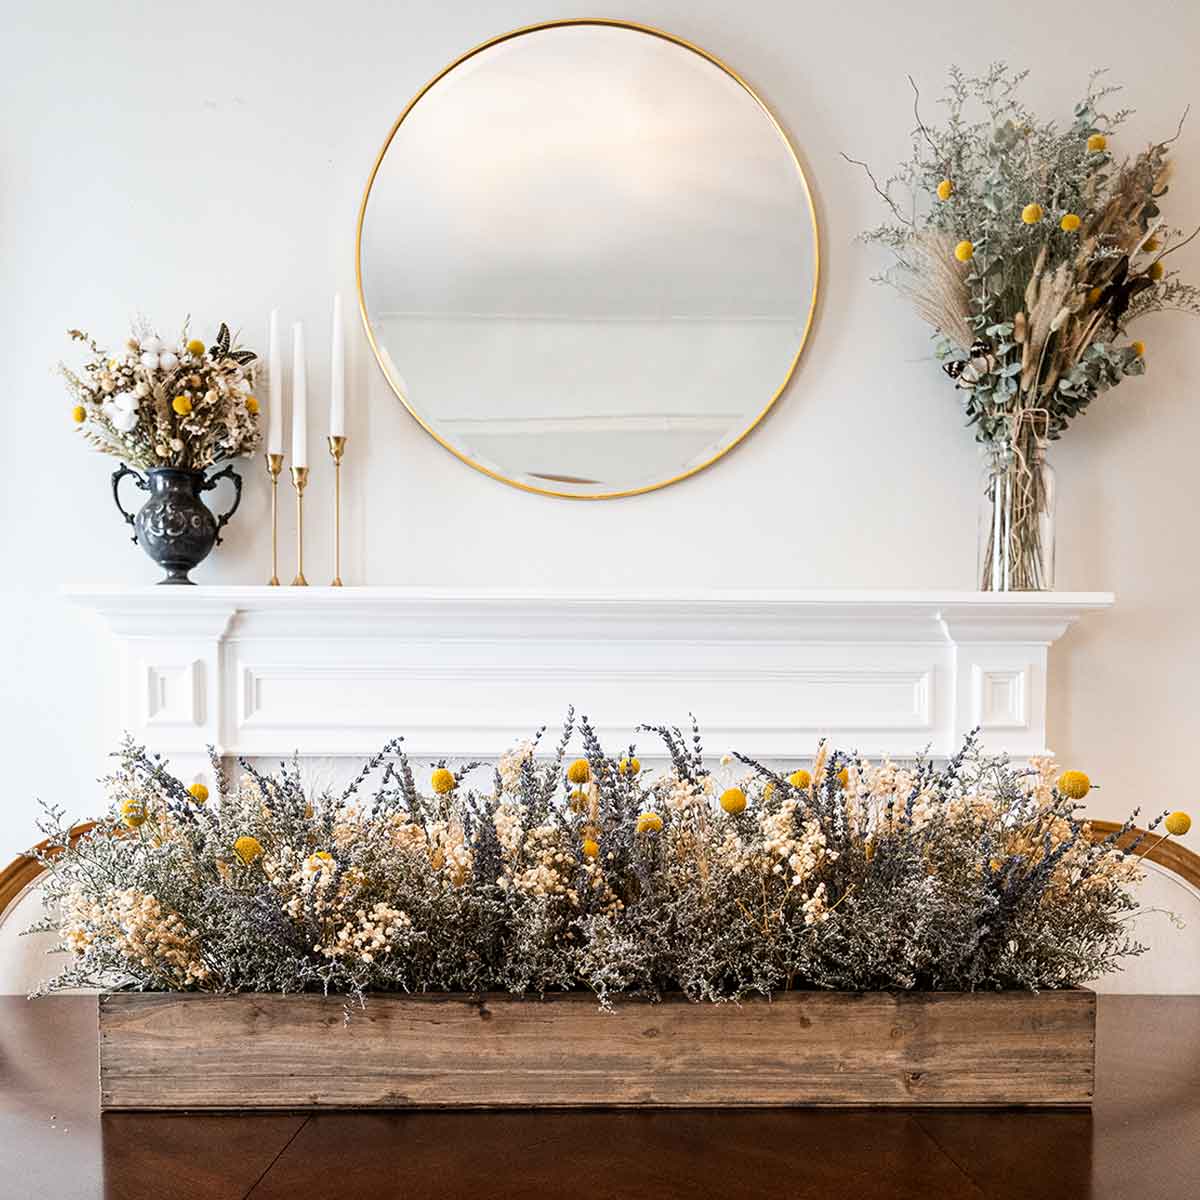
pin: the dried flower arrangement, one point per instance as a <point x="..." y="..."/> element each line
<point x="1030" y="250"/>
<point x="153" y="405"/>
<point x="594" y="875"/>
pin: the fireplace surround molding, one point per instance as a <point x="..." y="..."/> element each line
<point x="269" y="672"/>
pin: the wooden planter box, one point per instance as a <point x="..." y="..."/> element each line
<point x="180" y="1051"/>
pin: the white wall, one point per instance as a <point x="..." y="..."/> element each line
<point x="209" y="160"/>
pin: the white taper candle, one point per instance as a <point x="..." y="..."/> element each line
<point x="299" y="399"/>
<point x="337" y="378"/>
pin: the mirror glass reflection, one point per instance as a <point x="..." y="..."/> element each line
<point x="588" y="259"/>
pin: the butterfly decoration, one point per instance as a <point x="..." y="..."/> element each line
<point x="221" y="348"/>
<point x="980" y="362"/>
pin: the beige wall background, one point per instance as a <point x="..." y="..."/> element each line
<point x="209" y="160"/>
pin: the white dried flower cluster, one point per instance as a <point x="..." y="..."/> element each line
<point x="550" y="866"/>
<point x="594" y="873"/>
<point x="448" y="850"/>
<point x="371" y="935"/>
<point x="346" y="830"/>
<point x="509" y="822"/>
<point x="406" y="834"/>
<point x="305" y="884"/>
<point x="137" y="925"/>
<point x="680" y="793"/>
<point x="794" y="843"/>
<point x="317" y="873"/>
<point x="814" y="907"/>
<point x="511" y="764"/>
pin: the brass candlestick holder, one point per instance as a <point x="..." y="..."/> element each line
<point x="337" y="447"/>
<point x="299" y="482"/>
<point x="274" y="466"/>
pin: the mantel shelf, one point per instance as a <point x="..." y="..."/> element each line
<point x="330" y="671"/>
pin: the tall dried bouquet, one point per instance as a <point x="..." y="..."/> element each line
<point x="151" y="404"/>
<point x="595" y="872"/>
<point x="1030" y="249"/>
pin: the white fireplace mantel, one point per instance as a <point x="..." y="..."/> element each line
<point x="259" y="671"/>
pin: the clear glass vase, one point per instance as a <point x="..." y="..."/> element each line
<point x="1016" y="519"/>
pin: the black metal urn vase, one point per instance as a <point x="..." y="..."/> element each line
<point x="175" y="527"/>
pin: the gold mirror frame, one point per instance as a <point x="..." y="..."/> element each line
<point x="649" y="31"/>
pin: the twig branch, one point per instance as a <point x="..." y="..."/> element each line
<point x="917" y="115"/>
<point x="882" y="194"/>
<point x="1178" y="128"/>
<point x="1178" y="245"/>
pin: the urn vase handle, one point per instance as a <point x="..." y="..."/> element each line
<point x="211" y="482"/>
<point x="140" y="480"/>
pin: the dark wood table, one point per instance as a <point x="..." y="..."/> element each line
<point x="1140" y="1142"/>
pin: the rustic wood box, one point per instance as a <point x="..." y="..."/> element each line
<point x="187" y="1051"/>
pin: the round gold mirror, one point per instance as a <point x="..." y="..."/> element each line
<point x="587" y="258"/>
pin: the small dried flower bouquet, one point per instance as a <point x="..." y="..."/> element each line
<point x="175" y="411"/>
<point x="151" y="404"/>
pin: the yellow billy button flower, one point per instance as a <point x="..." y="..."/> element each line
<point x="1070" y="222"/>
<point x="733" y="801"/>
<point x="1138" y="347"/>
<point x="578" y="800"/>
<point x="1074" y="784"/>
<point x="579" y="771"/>
<point x="964" y="251"/>
<point x="629" y="766"/>
<point x="1178" y="823"/>
<point x="591" y="848"/>
<point x="649" y="822"/>
<point x="252" y="404"/>
<point x="79" y="414"/>
<point x="196" y="347"/>
<point x="248" y="849"/>
<point x="133" y="813"/>
<point x="182" y="404"/>
<point x="843" y="777"/>
<point x="800" y="779"/>
<point x="945" y="189"/>
<point x="1094" y="295"/>
<point x="1097" y="142"/>
<point x="316" y="860"/>
<point x="198" y="792"/>
<point x="442" y="781"/>
<point x="1031" y="214"/>
<point x="1157" y="271"/>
